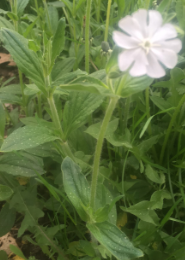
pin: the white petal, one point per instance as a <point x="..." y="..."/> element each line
<point x="154" y="69"/>
<point x="124" y="41"/>
<point x="125" y="59"/>
<point x="174" y="45"/>
<point x="167" y="57"/>
<point x="166" y="32"/>
<point x="139" y="67"/>
<point x="141" y="17"/>
<point x="131" y="26"/>
<point x="155" y="22"/>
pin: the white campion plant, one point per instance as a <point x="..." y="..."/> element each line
<point x="147" y="43"/>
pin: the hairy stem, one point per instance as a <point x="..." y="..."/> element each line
<point x="99" y="146"/>
<point x="87" y="25"/>
<point x="170" y="127"/>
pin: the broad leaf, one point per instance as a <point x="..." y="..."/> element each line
<point x="5" y="192"/>
<point x="21" y="164"/>
<point x="154" y="176"/>
<point x="13" y="89"/>
<point x="76" y="186"/>
<point x="58" y="40"/>
<point x="10" y="98"/>
<point x="158" y="197"/>
<point x="7" y="219"/>
<point x="27" y="137"/>
<point x="114" y="240"/>
<point x="144" y="211"/>
<point x="62" y="67"/>
<point x="4" y="23"/>
<point x="27" y="60"/>
<point x="76" y="110"/>
<point x="21" y="5"/>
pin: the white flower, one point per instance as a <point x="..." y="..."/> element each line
<point x="146" y="44"/>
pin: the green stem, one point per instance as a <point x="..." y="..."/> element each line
<point x="126" y="113"/>
<point x="98" y="151"/>
<point x="55" y="116"/>
<point x="107" y="21"/>
<point x="87" y="25"/>
<point x="98" y="11"/>
<point x="22" y="90"/>
<point x="38" y="13"/>
<point x="170" y="127"/>
<point x="147" y="97"/>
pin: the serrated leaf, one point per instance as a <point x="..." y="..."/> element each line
<point x="154" y="176"/>
<point x="5" y="192"/>
<point x="7" y="219"/>
<point x="76" y="110"/>
<point x="21" y="5"/>
<point x="21" y="164"/>
<point x="76" y="186"/>
<point x="27" y="137"/>
<point x="58" y="39"/>
<point x="144" y="211"/>
<point x="114" y="240"/>
<point x="27" y="60"/>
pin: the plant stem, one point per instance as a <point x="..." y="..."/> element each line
<point x="37" y="8"/>
<point x="98" y="11"/>
<point x="108" y="114"/>
<point x="23" y="96"/>
<point x="107" y="21"/>
<point x="126" y="113"/>
<point x="87" y="25"/>
<point x="55" y="116"/>
<point x="170" y="127"/>
<point x="147" y="99"/>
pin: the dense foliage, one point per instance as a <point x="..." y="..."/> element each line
<point x="91" y="158"/>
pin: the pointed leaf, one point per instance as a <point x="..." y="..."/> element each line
<point x="21" y="5"/>
<point x="27" y="137"/>
<point x="114" y="240"/>
<point x="5" y="192"/>
<point x="76" y="186"/>
<point x="58" y="39"/>
<point x="27" y="60"/>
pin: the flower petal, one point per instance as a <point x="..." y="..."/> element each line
<point x="124" y="41"/>
<point x="155" y="22"/>
<point x="140" y="64"/>
<point x="166" y="32"/>
<point x="167" y="57"/>
<point x="154" y="69"/>
<point x="125" y="59"/>
<point x="141" y="17"/>
<point x="131" y="26"/>
<point x="174" y="45"/>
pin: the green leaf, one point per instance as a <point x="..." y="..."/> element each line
<point x="52" y="19"/>
<point x="21" y="5"/>
<point x="76" y="110"/>
<point x="65" y="78"/>
<point x="17" y="251"/>
<point x="132" y="85"/>
<point x="27" y="137"/>
<point x="154" y="176"/>
<point x="5" y="192"/>
<point x="7" y="219"/>
<point x="27" y="60"/>
<point x="62" y="67"/>
<point x="4" y="23"/>
<point x="158" y="197"/>
<point x="144" y="211"/>
<point x="21" y="164"/>
<point x="31" y="89"/>
<point x="160" y="102"/>
<point x="10" y="98"/>
<point x="3" y="255"/>
<point x="76" y="186"/>
<point x="163" y="5"/>
<point x="114" y="240"/>
<point x="58" y="40"/>
<point x="180" y="10"/>
<point x="57" y="4"/>
<point x="13" y="89"/>
<point x="121" y="7"/>
<point x="2" y="120"/>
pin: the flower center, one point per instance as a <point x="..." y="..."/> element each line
<point x="146" y="45"/>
